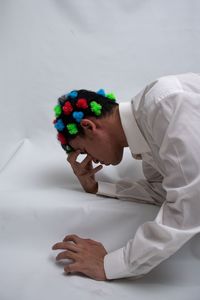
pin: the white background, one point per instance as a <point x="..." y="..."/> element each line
<point x="48" y="48"/>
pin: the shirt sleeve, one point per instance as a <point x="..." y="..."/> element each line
<point x="175" y="131"/>
<point x="148" y="190"/>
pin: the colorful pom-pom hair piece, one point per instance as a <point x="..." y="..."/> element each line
<point x="59" y="125"/>
<point x="72" y="94"/>
<point x="95" y="108"/>
<point x="69" y="149"/>
<point x="61" y="138"/>
<point x="67" y="108"/>
<point x="61" y="100"/>
<point x="78" y="116"/>
<point x="101" y="92"/>
<point x="82" y="103"/>
<point x="72" y="128"/>
<point x="111" y="96"/>
<point x="57" y="110"/>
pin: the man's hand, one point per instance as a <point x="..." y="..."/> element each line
<point x="84" y="171"/>
<point x="88" y="256"/>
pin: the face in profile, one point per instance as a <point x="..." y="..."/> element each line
<point x="101" y="148"/>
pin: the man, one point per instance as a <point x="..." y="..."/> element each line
<point x="161" y="126"/>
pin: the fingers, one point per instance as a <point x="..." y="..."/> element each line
<point x="72" y="237"/>
<point x="67" y="246"/>
<point x="71" y="268"/>
<point x="73" y="156"/>
<point x="72" y="249"/>
<point x="95" y="170"/>
<point x="86" y="160"/>
<point x="66" y="255"/>
<point x="93" y="242"/>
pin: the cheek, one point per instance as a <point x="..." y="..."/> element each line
<point x="92" y="149"/>
<point x="99" y="150"/>
<point x="107" y="149"/>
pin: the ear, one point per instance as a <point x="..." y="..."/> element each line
<point x="88" y="126"/>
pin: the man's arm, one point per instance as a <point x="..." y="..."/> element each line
<point x="147" y="190"/>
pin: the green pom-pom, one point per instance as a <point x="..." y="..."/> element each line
<point x="57" y="110"/>
<point x="72" y="128"/>
<point x="111" y="96"/>
<point x="69" y="149"/>
<point x="96" y="108"/>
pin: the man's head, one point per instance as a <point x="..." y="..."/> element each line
<point x="90" y="122"/>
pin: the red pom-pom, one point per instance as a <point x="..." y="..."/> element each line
<point x="54" y="121"/>
<point x="82" y="103"/>
<point x="61" y="138"/>
<point x="67" y="108"/>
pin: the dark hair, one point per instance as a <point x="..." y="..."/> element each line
<point x="107" y="103"/>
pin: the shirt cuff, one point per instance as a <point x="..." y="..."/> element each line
<point x="106" y="189"/>
<point x="114" y="265"/>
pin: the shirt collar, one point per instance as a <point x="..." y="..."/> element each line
<point x="135" y="139"/>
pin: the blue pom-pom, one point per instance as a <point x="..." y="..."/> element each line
<point x="59" y="125"/>
<point x="78" y="116"/>
<point x="101" y="92"/>
<point x="72" y="94"/>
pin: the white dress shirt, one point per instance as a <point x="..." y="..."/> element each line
<point x="162" y="126"/>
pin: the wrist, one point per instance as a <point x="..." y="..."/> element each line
<point x="89" y="188"/>
<point x="93" y="189"/>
